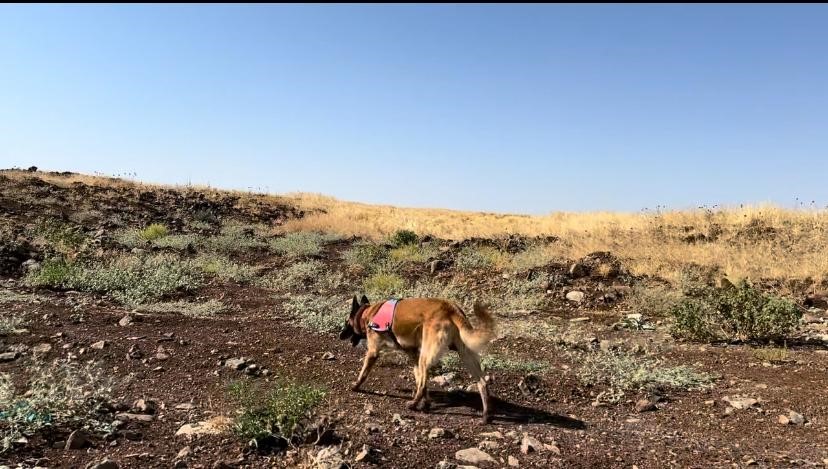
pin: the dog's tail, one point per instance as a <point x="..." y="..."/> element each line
<point x="476" y="338"/>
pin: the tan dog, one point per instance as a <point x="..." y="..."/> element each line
<point x="424" y="328"/>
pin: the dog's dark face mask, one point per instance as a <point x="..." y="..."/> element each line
<point x="348" y="331"/>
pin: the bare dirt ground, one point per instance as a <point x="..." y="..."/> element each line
<point x="687" y="429"/>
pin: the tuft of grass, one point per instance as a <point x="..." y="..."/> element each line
<point x="12" y="324"/>
<point x="311" y="274"/>
<point x="656" y="301"/>
<point x="536" y="255"/>
<point x="366" y="255"/>
<point x="225" y="269"/>
<point x="496" y="362"/>
<point x="383" y="285"/>
<point x="266" y="412"/>
<point x="414" y="253"/>
<point x="621" y="373"/>
<point x="131" y="280"/>
<point x="179" y="242"/>
<point x="476" y="258"/>
<point x="62" y="237"/>
<point x="403" y="238"/>
<point x="771" y="354"/>
<point x="57" y="394"/>
<point x="300" y="243"/>
<point x="317" y="313"/>
<point x="738" y="313"/>
<point x="206" y="309"/>
<point x="153" y="232"/>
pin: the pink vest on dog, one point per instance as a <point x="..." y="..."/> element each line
<point x="381" y="322"/>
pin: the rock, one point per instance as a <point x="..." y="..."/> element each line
<point x="645" y="405"/>
<point x="77" y="440"/>
<point x="578" y="270"/>
<point x="605" y="345"/>
<point x="125" y="321"/>
<point x="9" y="356"/>
<point x="42" y="349"/>
<point x="397" y="419"/>
<point x="494" y="434"/>
<point x="444" y="379"/>
<point x="445" y="464"/>
<point x="530" y="444"/>
<point x="365" y="455"/>
<point x="435" y="266"/>
<point x="161" y="354"/>
<point x="144" y="406"/>
<point x="784" y="420"/>
<point x="474" y="456"/>
<point x="488" y="445"/>
<point x="740" y="403"/>
<point x="795" y="418"/>
<point x="575" y="296"/>
<point x="213" y="426"/>
<point x="553" y="448"/>
<point x="437" y="432"/>
<point x="513" y="461"/>
<point x="236" y="363"/>
<point x="328" y="356"/>
<point x="185" y="406"/>
<point x="580" y="319"/>
<point x="99" y="345"/>
<point x="31" y="265"/>
<point x="135" y="353"/>
<point x="105" y="464"/>
<point x="329" y="458"/>
<point x="184" y="453"/>
<point x="529" y="385"/>
<point x="126" y="416"/>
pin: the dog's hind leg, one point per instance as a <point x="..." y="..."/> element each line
<point x="433" y="347"/>
<point x="471" y="360"/>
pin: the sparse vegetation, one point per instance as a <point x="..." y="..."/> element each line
<point x="153" y="232"/>
<point x="131" y="280"/>
<point x="365" y="255"/>
<point x="204" y="309"/>
<point x="225" y="269"/>
<point x="268" y="412"/>
<point x="621" y="373"/>
<point x="300" y="244"/>
<point x="738" y="313"/>
<point x="475" y="258"/>
<point x="654" y="301"/>
<point x="57" y="394"/>
<point x="384" y="285"/>
<point x="317" y="313"/>
<point x="413" y="253"/>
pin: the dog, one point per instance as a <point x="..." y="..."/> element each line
<point x="423" y="328"/>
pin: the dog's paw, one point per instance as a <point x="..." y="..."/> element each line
<point x="412" y="404"/>
<point x="487" y="419"/>
<point x="426" y="405"/>
<point x="355" y="387"/>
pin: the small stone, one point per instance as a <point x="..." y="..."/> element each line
<point x="580" y="319"/>
<point x="529" y="444"/>
<point x="575" y="296"/>
<point x="796" y="418"/>
<point x="397" y="419"/>
<point x="577" y="270"/>
<point x="784" y="420"/>
<point x="474" y="456"/>
<point x="495" y="434"/>
<point x="369" y="409"/>
<point x="436" y="432"/>
<point x="553" y="448"/>
<point x="328" y="356"/>
<point x="42" y="349"/>
<point x="444" y="379"/>
<point x="8" y="356"/>
<point x="184" y="453"/>
<point x="126" y="416"/>
<point x="236" y="363"/>
<point x="365" y="454"/>
<point x="185" y="406"/>
<point x="214" y="426"/>
<point x="513" y="461"/>
<point x="645" y="405"/>
<point x="125" y="321"/>
<point x="435" y="266"/>
<point x="105" y="464"/>
<point x="135" y="353"/>
<point x="488" y="445"/>
<point x="99" y="345"/>
<point x="741" y="403"/>
<point x="445" y="464"/>
<point x="77" y="440"/>
<point x="144" y="406"/>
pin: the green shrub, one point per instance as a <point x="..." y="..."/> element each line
<point x="622" y="372"/>
<point x="225" y="269"/>
<point x="738" y="313"/>
<point x="383" y="285"/>
<point x="317" y="313"/>
<point x="403" y="238"/>
<point x="267" y="412"/>
<point x="414" y="253"/>
<point x="300" y="243"/>
<point x="153" y="232"/>
<point x="58" y="394"/>
<point x="366" y="255"/>
<point x="62" y="237"/>
<point x="654" y="301"/>
<point x="472" y="258"/>
<point x="306" y="275"/>
<point x="131" y="280"/>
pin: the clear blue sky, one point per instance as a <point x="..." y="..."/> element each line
<point x="524" y="109"/>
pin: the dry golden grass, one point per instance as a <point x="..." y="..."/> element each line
<point x="751" y="242"/>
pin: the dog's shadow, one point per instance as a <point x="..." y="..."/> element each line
<point x="445" y="403"/>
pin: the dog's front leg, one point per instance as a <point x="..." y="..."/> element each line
<point x="370" y="359"/>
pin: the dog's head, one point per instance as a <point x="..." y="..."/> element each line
<point x="348" y="330"/>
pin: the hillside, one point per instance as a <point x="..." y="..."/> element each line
<point x="132" y="314"/>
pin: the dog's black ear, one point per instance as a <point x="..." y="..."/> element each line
<point x="365" y="300"/>
<point x="354" y="305"/>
